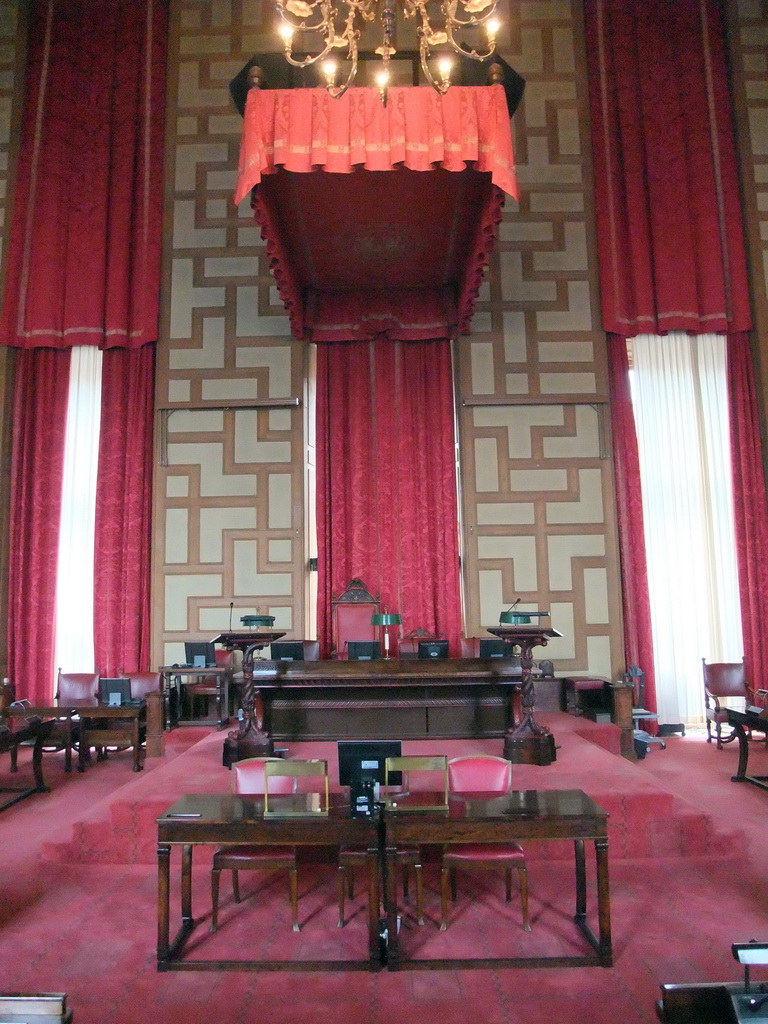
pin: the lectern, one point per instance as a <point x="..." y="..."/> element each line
<point x="251" y="739"/>
<point x="525" y="741"/>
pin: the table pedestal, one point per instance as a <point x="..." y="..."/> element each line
<point x="525" y="741"/>
<point x="252" y="738"/>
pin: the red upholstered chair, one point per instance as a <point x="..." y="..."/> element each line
<point x="248" y="778"/>
<point x="72" y="686"/>
<point x="725" y="683"/>
<point x="143" y="683"/>
<point x="352" y="611"/>
<point x="482" y="774"/>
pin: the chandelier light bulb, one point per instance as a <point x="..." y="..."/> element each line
<point x="339" y="25"/>
<point x="329" y="70"/>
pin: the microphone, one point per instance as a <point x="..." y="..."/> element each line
<point x="231" y="606"/>
<point x="514" y="604"/>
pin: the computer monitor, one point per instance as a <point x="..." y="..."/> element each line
<point x="433" y="648"/>
<point x="363" y="650"/>
<point x="200" y="654"/>
<point x="493" y="647"/>
<point x="287" y="650"/>
<point x="364" y="760"/>
<point x="115" y="691"/>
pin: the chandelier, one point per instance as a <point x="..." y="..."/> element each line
<point x="342" y="31"/>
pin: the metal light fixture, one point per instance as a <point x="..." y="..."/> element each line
<point x="385" y="620"/>
<point x="342" y="32"/>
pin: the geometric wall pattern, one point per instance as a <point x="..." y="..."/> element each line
<point x="537" y="480"/>
<point x="229" y="501"/>
<point x="234" y="450"/>
<point x="537" y="507"/>
<point x="748" y="32"/>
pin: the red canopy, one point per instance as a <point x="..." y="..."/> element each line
<point x="356" y="249"/>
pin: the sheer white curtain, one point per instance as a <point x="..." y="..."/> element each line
<point x="680" y="402"/>
<point x="74" y="585"/>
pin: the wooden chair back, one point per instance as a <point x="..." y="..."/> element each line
<point x="432" y="763"/>
<point x="725" y="679"/>
<point x="278" y="768"/>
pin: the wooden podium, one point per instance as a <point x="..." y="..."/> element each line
<point x="527" y="742"/>
<point x="252" y="738"/>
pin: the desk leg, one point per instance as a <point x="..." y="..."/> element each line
<point x="603" y="903"/>
<point x="581" y="880"/>
<point x="163" y="902"/>
<point x="741" y="736"/>
<point x="137" y="765"/>
<point x="390" y="908"/>
<point x="374" y="907"/>
<point x="186" y="886"/>
<point x="37" y="760"/>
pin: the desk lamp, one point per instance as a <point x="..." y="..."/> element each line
<point x="386" y="620"/>
<point x="747" y="954"/>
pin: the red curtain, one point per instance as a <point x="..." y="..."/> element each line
<point x="386" y="481"/>
<point x="750" y="506"/>
<point x="668" y="211"/>
<point x="84" y="255"/>
<point x="39" y="421"/>
<point x="638" y="634"/>
<point x="124" y="512"/>
<point x="671" y="246"/>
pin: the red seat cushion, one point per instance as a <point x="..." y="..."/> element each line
<point x="234" y="857"/>
<point x="464" y="853"/>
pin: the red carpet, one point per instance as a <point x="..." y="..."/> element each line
<point x="688" y="863"/>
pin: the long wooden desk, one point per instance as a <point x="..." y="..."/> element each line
<point x="740" y="721"/>
<point x="218" y="819"/>
<point x="171" y="687"/>
<point x="522" y="816"/>
<point x="105" y="725"/>
<point x="90" y="716"/>
<point x="13" y="732"/>
<point x="408" y="698"/>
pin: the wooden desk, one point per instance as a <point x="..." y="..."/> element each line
<point x="740" y="721"/>
<point x="410" y="698"/>
<point x="18" y="731"/>
<point x="64" y="714"/>
<point x="171" y="686"/>
<point x="523" y="817"/>
<point x="220" y="819"/>
<point x="95" y="729"/>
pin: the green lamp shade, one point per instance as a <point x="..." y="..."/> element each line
<point x="514" y="618"/>
<point x="386" y="619"/>
<point x="258" y="620"/>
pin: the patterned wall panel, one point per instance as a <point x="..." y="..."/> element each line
<point x="230" y="481"/>
<point x="537" y="476"/>
<point x="536" y="479"/>
<point x="748" y="34"/>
